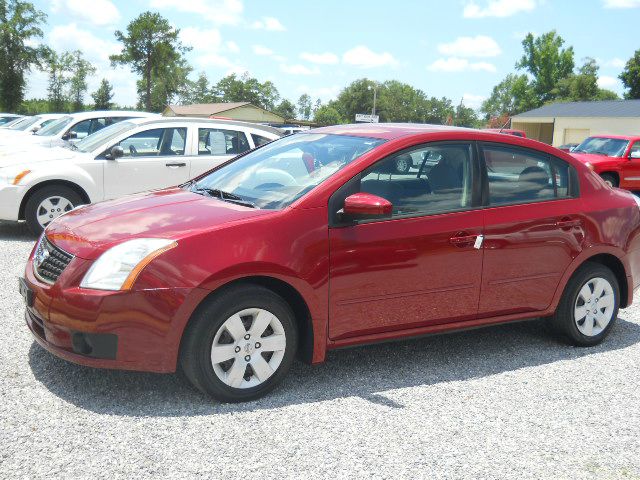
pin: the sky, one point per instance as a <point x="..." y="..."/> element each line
<point x="455" y="48"/>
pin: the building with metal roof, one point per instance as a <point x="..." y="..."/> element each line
<point x="243" y="111"/>
<point x="571" y="122"/>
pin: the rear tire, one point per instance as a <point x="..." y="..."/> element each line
<point x="229" y="354"/>
<point x="588" y="307"/>
<point x="48" y="203"/>
<point x="610" y="179"/>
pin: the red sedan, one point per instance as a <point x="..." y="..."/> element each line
<point x="615" y="158"/>
<point x="316" y="241"/>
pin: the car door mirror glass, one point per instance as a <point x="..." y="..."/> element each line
<point x="363" y="206"/>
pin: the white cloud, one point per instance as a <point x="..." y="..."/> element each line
<point x="326" y="58"/>
<point x="473" y="101"/>
<point x="262" y="51"/>
<point x="100" y="13"/>
<point x="268" y="23"/>
<point x="232" y="46"/>
<point x="298" y="69"/>
<point x="201" y="39"/>
<point x="455" y="64"/>
<point x="478" y="46"/>
<point x="621" y="3"/>
<point x="498" y="8"/>
<point x="608" y="82"/>
<point x="615" y="63"/>
<point x="361" y="56"/>
<point x="218" y="12"/>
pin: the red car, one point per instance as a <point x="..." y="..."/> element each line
<point x="507" y="131"/>
<point x="615" y="158"/>
<point x="315" y="242"/>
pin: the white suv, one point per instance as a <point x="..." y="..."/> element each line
<point x="131" y="156"/>
<point x="72" y="127"/>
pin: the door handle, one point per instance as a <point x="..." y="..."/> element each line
<point x="463" y="240"/>
<point x="180" y="164"/>
<point x="568" y="223"/>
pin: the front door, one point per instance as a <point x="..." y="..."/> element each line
<point x="630" y="171"/>
<point x="423" y="265"/>
<point x="153" y="159"/>
<point x="533" y="229"/>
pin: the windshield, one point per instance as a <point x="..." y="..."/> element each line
<point x="611" y="147"/>
<point x="56" y="127"/>
<point x="25" y="123"/>
<point x="274" y="176"/>
<point x="101" y="138"/>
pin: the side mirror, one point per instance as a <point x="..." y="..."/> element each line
<point x="365" y="206"/>
<point x="70" y="136"/>
<point x="36" y="128"/>
<point x="116" y="152"/>
<point x="634" y="155"/>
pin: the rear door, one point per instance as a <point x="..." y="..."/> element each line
<point x="533" y="228"/>
<point x="153" y="158"/>
<point x="215" y="146"/>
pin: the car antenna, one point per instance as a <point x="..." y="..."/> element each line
<point x="505" y="125"/>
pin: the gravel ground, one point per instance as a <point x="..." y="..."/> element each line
<point x="502" y="402"/>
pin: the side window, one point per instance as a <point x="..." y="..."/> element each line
<point x="635" y="150"/>
<point x="235" y="142"/>
<point x="156" y="142"/>
<point x="81" y="129"/>
<point x="429" y="180"/>
<point x="97" y="124"/>
<point x="259" y="140"/>
<point x="522" y="176"/>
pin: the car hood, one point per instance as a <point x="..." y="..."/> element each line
<point x="26" y="139"/>
<point x="172" y="213"/>
<point x="592" y="158"/>
<point x="35" y="155"/>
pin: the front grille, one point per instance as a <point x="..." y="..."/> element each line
<point x="49" y="261"/>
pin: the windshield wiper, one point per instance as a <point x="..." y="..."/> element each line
<point x="224" y="196"/>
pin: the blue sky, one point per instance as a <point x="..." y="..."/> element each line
<point x="456" y="48"/>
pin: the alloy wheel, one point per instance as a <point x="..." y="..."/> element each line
<point x="51" y="208"/>
<point x="248" y="348"/>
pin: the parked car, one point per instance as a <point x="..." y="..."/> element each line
<point x="8" y="118"/>
<point x="71" y="128"/>
<point x="567" y="147"/>
<point x="615" y="158"/>
<point x="130" y="156"/>
<point x="508" y="131"/>
<point x="310" y="244"/>
<point x="27" y="126"/>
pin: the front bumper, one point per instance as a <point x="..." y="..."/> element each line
<point x="131" y="330"/>
<point x="10" y="198"/>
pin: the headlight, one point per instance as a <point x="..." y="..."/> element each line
<point x="11" y="176"/>
<point x="118" y="267"/>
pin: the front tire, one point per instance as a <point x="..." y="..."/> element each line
<point x="47" y="204"/>
<point x="240" y="344"/>
<point x="589" y="306"/>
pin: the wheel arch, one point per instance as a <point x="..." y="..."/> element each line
<point x="290" y="294"/>
<point x="46" y="183"/>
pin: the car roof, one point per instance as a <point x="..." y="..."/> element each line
<point x="236" y="123"/>
<point x="110" y="113"/>
<point x="387" y="131"/>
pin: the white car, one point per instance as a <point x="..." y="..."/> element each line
<point x="127" y="157"/>
<point x="29" y="125"/>
<point x="72" y="127"/>
<point x="6" y="118"/>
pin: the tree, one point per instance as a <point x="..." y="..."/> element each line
<point x="465" y="117"/>
<point x="304" y="106"/>
<point x="547" y="62"/>
<point x="630" y="76"/>
<point x="327" y="115"/>
<point x="511" y="96"/>
<point x="20" y="24"/>
<point x="103" y="96"/>
<point x="172" y="84"/>
<point x="152" y="48"/>
<point x="247" y="89"/>
<point x="199" y="91"/>
<point x="80" y="70"/>
<point x="286" y="109"/>
<point x="59" y="67"/>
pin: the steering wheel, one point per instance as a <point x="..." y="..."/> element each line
<point x="133" y="151"/>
